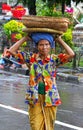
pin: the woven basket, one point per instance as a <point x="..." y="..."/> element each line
<point x="41" y="23"/>
<point x="29" y="30"/>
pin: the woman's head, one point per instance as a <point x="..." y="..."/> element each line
<point x="44" y="47"/>
<point x="44" y="42"/>
<point x="36" y="37"/>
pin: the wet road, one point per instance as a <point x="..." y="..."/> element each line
<point x="13" y="110"/>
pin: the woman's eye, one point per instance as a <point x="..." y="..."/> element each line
<point x="44" y="45"/>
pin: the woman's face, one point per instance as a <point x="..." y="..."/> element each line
<point x="44" y="47"/>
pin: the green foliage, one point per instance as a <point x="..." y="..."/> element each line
<point x="43" y="9"/>
<point x="67" y="37"/>
<point x="13" y="26"/>
<point x="28" y="3"/>
<point x="80" y="18"/>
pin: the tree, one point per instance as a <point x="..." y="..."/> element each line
<point x="31" y="5"/>
<point x="77" y="1"/>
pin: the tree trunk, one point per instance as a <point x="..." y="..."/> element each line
<point x="68" y="3"/>
<point x="0" y="7"/>
<point x="32" y="7"/>
<point x="63" y="6"/>
<point x="74" y="62"/>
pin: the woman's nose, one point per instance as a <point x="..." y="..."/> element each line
<point x="44" y="46"/>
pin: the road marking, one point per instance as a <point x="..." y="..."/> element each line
<point x="14" y="109"/>
<point x="68" y="125"/>
<point x="26" y="113"/>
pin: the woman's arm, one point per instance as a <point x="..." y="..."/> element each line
<point x="16" y="46"/>
<point x="68" y="50"/>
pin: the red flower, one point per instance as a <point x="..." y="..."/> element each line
<point x="46" y="88"/>
<point x="32" y="60"/>
<point x="13" y="37"/>
<point x="47" y="59"/>
<point x="58" y="102"/>
<point x="60" y="55"/>
<point x="63" y="57"/>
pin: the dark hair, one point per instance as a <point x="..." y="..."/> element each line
<point x="40" y="40"/>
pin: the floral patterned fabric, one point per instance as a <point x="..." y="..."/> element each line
<point x="44" y="71"/>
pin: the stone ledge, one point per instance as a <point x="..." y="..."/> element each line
<point x="60" y="75"/>
<point x="18" y="70"/>
<point x="67" y="78"/>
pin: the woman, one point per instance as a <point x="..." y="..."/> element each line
<point x="42" y="94"/>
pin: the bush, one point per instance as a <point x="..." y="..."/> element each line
<point x="13" y="26"/>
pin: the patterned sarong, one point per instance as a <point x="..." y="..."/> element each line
<point x="42" y="118"/>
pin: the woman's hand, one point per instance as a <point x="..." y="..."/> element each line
<point x="57" y="37"/>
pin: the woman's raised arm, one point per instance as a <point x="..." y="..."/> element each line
<point x="16" y="46"/>
<point x="68" y="50"/>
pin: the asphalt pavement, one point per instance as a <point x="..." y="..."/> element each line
<point x="14" y="111"/>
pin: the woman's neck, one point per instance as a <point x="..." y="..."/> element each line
<point x="43" y="56"/>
